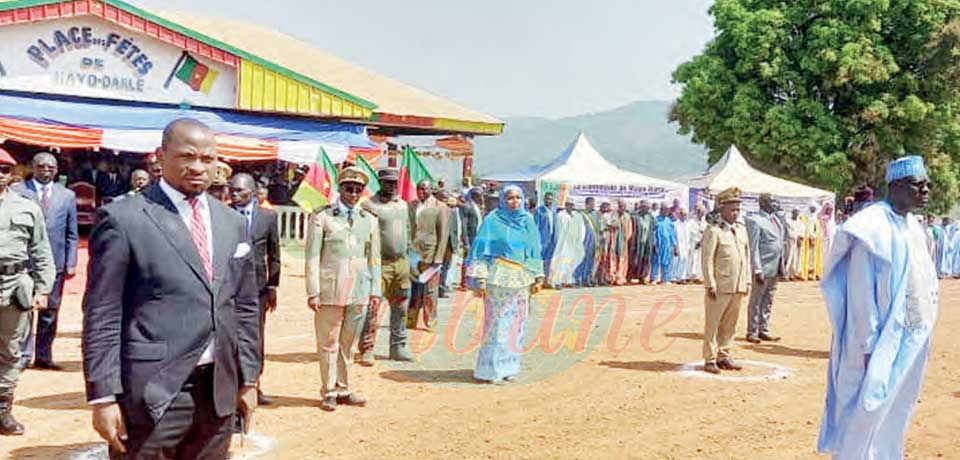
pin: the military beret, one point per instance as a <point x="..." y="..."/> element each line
<point x="6" y="158"/>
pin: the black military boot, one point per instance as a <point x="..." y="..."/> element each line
<point x="9" y="426"/>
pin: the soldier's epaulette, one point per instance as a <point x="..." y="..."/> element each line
<point x="322" y="209"/>
<point x="364" y="207"/>
<point x="22" y="193"/>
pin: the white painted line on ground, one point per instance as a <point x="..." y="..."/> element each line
<point x="93" y="453"/>
<point x="777" y="372"/>
<point x="254" y="446"/>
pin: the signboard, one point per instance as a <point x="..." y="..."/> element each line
<point x="751" y="202"/>
<point x="629" y="193"/>
<point x="87" y="56"/>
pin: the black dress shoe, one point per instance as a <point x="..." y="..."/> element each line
<point x="47" y="366"/>
<point x="728" y="364"/>
<point x="351" y="400"/>
<point x="753" y="339"/>
<point x="769" y="338"/>
<point x="711" y="368"/>
<point x="329" y="403"/>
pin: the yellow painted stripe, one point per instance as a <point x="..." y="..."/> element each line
<point x="468" y="126"/>
<point x="208" y="81"/>
<point x="245" y="90"/>
<point x="263" y="90"/>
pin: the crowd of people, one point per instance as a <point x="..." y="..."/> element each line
<point x="182" y="276"/>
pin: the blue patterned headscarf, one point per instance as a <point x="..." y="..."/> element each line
<point x="509" y="234"/>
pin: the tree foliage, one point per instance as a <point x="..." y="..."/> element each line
<point x="828" y="91"/>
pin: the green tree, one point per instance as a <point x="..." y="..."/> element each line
<point x="828" y="91"/>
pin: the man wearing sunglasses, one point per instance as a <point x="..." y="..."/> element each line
<point x="343" y="276"/>
<point x="23" y="239"/>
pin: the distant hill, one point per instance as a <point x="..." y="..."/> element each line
<point x="636" y="137"/>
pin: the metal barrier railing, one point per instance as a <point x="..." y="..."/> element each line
<point x="292" y="225"/>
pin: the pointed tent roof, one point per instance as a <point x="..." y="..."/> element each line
<point x="581" y="163"/>
<point x="733" y="170"/>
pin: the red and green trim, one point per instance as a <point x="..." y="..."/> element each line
<point x="125" y="14"/>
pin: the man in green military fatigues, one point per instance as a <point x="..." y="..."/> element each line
<point x="393" y="215"/>
<point x="343" y="277"/>
<point x="23" y="240"/>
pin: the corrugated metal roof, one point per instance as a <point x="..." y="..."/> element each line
<point x="391" y="96"/>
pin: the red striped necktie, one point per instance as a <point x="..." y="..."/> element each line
<point x="198" y="230"/>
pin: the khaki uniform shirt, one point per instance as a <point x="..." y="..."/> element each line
<point x="23" y="238"/>
<point x="343" y="259"/>
<point x="725" y="255"/>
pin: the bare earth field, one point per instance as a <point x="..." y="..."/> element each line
<point x="609" y="375"/>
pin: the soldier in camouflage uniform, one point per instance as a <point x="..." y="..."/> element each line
<point x="26" y="278"/>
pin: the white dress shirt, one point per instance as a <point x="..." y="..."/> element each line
<point x="247" y="212"/>
<point x="42" y="188"/>
<point x="186" y="214"/>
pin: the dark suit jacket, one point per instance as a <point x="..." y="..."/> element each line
<point x="472" y="217"/>
<point x="61" y="218"/>
<point x="110" y="188"/>
<point x="266" y="247"/>
<point x="149" y="310"/>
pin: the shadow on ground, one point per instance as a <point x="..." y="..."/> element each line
<point x="79" y="451"/>
<point x="65" y="401"/>
<point x="780" y="350"/>
<point x="430" y="376"/>
<point x="291" y="401"/>
<point x="293" y="358"/>
<point x="68" y="366"/>
<point x="648" y="366"/>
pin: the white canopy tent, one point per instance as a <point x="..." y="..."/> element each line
<point x="586" y="173"/>
<point x="733" y="171"/>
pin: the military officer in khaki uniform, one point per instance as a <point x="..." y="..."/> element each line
<point x="23" y="239"/>
<point x="343" y="277"/>
<point x="725" y="255"/>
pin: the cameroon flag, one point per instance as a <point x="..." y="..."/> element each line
<point x="373" y="184"/>
<point x="197" y="75"/>
<point x="316" y="188"/>
<point x="412" y="172"/>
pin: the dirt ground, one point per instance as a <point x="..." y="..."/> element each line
<point x="615" y="387"/>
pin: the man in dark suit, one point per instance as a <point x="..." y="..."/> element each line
<point x="109" y="182"/>
<point x="59" y="205"/>
<point x="262" y="226"/>
<point x="171" y="346"/>
<point x="472" y="214"/>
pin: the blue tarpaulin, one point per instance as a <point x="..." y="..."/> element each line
<point x="134" y="117"/>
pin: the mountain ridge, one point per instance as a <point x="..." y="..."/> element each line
<point x="637" y="137"/>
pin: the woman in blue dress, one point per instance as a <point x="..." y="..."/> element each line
<point x="505" y="268"/>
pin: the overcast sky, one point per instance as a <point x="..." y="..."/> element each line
<point x="550" y="58"/>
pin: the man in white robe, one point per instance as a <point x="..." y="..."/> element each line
<point x="792" y="257"/>
<point x="569" y="247"/>
<point x="695" y="227"/>
<point x="945" y="263"/>
<point x="880" y="341"/>
<point x="682" y="260"/>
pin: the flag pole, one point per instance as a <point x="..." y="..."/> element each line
<point x="174" y="71"/>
